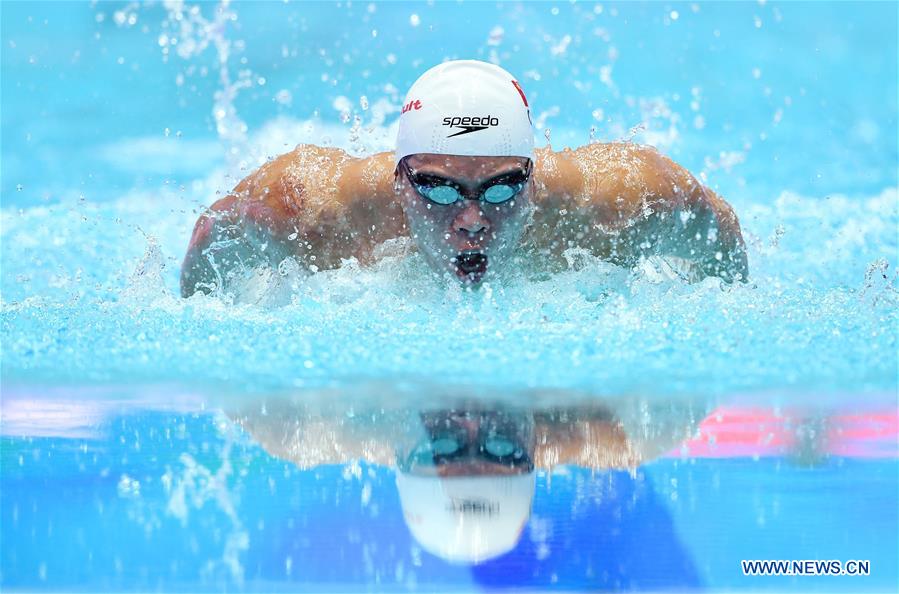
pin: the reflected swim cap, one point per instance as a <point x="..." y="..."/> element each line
<point x="468" y="108"/>
<point x="466" y="519"/>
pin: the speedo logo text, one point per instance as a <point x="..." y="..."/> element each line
<point x="470" y="124"/>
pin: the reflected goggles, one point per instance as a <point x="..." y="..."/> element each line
<point x="451" y="444"/>
<point x="444" y="192"/>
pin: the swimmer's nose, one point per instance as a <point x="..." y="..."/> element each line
<point x="471" y="427"/>
<point x="471" y="219"/>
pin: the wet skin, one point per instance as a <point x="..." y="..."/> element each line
<point x="619" y="201"/>
<point x="585" y="436"/>
<point x="471" y="238"/>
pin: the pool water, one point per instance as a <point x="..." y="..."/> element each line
<point x="258" y="494"/>
<point x="766" y="413"/>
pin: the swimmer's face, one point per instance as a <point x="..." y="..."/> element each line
<point x="472" y="237"/>
<point x="468" y="443"/>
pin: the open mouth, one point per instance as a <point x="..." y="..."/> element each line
<point x="470" y="265"/>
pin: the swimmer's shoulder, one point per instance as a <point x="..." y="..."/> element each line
<point x="311" y="181"/>
<point x="626" y="172"/>
<point x="593" y="173"/>
<point x="306" y="167"/>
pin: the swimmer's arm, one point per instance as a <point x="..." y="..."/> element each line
<point x="306" y="440"/>
<point x="248" y="228"/>
<point x="233" y="235"/>
<point x="615" y="434"/>
<point x="316" y="204"/>
<point x="706" y="232"/>
<point x="642" y="204"/>
<point x="686" y="220"/>
<point x="592" y="440"/>
<point x="201" y="271"/>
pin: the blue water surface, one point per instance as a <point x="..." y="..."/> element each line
<point x="266" y="525"/>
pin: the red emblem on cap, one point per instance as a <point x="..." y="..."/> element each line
<point x="520" y="92"/>
<point x="415" y="104"/>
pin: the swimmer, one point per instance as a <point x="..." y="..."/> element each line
<point x="467" y="185"/>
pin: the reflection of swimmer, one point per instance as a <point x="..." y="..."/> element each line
<point x="466" y="475"/>
<point x="467" y="185"/>
<point x="466" y="483"/>
<point x="588" y="436"/>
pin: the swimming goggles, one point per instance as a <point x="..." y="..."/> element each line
<point x="450" y="443"/>
<point x="444" y="192"/>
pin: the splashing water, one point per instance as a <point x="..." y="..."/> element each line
<point x="193" y="485"/>
<point x="89" y="290"/>
<point x="190" y="34"/>
<point x="814" y="317"/>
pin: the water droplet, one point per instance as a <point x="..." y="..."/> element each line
<point x="283" y="97"/>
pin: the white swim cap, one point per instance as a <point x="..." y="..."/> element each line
<point x="466" y="519"/>
<point x="466" y="107"/>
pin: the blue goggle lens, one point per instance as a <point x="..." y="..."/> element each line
<point x="500" y="193"/>
<point x="446" y="195"/>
